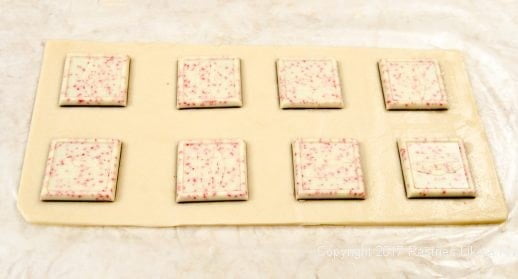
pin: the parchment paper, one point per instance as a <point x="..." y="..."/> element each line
<point x="484" y="30"/>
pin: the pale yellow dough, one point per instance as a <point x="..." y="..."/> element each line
<point x="151" y="127"/>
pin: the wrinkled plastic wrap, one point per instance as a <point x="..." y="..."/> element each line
<point x="485" y="31"/>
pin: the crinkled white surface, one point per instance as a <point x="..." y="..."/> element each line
<point x="484" y="30"/>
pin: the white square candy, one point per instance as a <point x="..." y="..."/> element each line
<point x="412" y="84"/>
<point x="82" y="169"/>
<point x="211" y="170"/>
<point x="308" y="83"/>
<point x="95" y="80"/>
<point x="327" y="169"/>
<point x="208" y="82"/>
<point x="435" y="168"/>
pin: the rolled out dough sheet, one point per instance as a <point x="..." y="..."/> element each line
<point x="151" y="127"/>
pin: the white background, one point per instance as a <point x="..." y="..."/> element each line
<point x="485" y="30"/>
